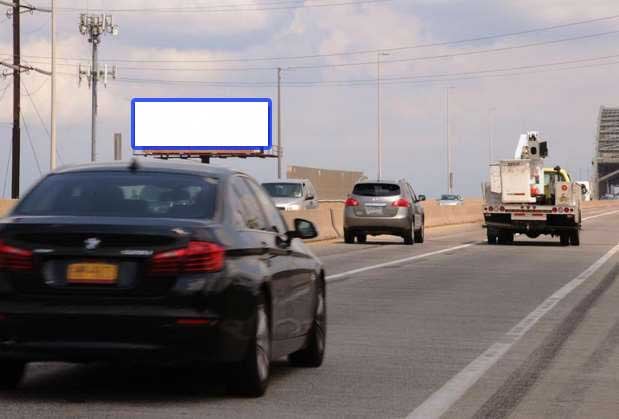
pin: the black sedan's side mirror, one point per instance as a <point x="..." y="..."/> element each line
<point x="303" y="229"/>
<point x="422" y="197"/>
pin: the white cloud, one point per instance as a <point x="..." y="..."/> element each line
<point x="335" y="127"/>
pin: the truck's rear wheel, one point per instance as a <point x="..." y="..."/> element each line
<point x="349" y="237"/>
<point x="506" y="237"/>
<point x="575" y="238"/>
<point x="564" y="238"/>
<point x="492" y="236"/>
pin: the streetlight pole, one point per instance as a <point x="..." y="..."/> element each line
<point x="379" y="114"/>
<point x="279" y="123"/>
<point x="491" y="130"/>
<point x="450" y="175"/>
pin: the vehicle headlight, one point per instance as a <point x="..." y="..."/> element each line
<point x="293" y="207"/>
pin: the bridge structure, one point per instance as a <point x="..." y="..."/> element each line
<point x="606" y="158"/>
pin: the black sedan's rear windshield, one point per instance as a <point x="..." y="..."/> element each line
<point x="119" y="194"/>
<point x="376" y="189"/>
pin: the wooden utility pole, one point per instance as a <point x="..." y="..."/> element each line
<point x="16" y="103"/>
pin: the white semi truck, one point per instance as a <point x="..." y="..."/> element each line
<point x="523" y="198"/>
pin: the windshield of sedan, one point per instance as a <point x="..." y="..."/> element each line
<point x="115" y="194"/>
<point x="284" y="189"/>
<point x="450" y="197"/>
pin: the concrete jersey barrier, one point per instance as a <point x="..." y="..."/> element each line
<point x="329" y="217"/>
<point x="6" y="205"/>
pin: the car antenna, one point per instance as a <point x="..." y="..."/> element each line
<point x="134" y="165"/>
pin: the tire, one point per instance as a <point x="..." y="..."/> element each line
<point x="362" y="237"/>
<point x="349" y="237"/>
<point x="11" y="374"/>
<point x="420" y="235"/>
<point x="564" y="238"/>
<point x="575" y="238"/>
<point x="314" y="352"/>
<point x="492" y="236"/>
<point x="409" y="236"/>
<point x="252" y="375"/>
<point x="505" y="237"/>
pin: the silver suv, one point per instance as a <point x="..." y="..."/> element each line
<point x="384" y="207"/>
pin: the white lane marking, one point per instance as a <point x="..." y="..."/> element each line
<point x="396" y="262"/>
<point x="441" y="400"/>
<point x="425" y="255"/>
<point x="600" y="215"/>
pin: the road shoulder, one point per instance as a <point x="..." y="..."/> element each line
<point x="518" y="376"/>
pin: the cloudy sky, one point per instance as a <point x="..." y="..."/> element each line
<point x="509" y="67"/>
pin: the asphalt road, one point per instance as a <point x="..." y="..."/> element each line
<point x="397" y="332"/>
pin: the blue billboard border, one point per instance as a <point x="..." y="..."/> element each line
<point x="201" y="99"/>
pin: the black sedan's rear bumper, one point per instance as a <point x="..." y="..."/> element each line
<point x="178" y="336"/>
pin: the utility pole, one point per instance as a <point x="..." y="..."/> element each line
<point x="279" y="123"/>
<point x="379" y="115"/>
<point x="15" y="10"/>
<point x="52" y="148"/>
<point x="94" y="26"/>
<point x="16" y="148"/>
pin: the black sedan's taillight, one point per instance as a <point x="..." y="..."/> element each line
<point x="197" y="257"/>
<point x="14" y="259"/>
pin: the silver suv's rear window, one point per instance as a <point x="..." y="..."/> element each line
<point x="376" y="189"/>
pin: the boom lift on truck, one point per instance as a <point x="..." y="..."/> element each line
<point x="521" y="198"/>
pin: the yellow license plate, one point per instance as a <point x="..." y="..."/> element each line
<point x="92" y="273"/>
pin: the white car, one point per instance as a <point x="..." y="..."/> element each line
<point x="292" y="194"/>
<point x="450" y="200"/>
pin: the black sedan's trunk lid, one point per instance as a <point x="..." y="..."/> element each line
<point x="90" y="256"/>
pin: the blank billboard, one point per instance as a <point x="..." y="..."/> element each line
<point x="201" y="123"/>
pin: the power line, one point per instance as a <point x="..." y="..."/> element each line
<point x="38" y="89"/>
<point x="391" y="61"/>
<point x="391" y="80"/>
<point x="3" y="93"/>
<point x="477" y="72"/>
<point x="457" y="54"/>
<point x="223" y="8"/>
<point x="36" y="109"/>
<point x="204" y="6"/>
<point x="354" y="52"/>
<point x="6" y="173"/>
<point x="36" y="158"/>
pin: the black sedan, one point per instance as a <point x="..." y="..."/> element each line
<point x="162" y="262"/>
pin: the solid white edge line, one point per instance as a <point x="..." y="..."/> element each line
<point x="396" y="262"/>
<point x="444" y="398"/>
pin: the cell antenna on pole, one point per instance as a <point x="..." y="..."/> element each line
<point x="94" y="26"/>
